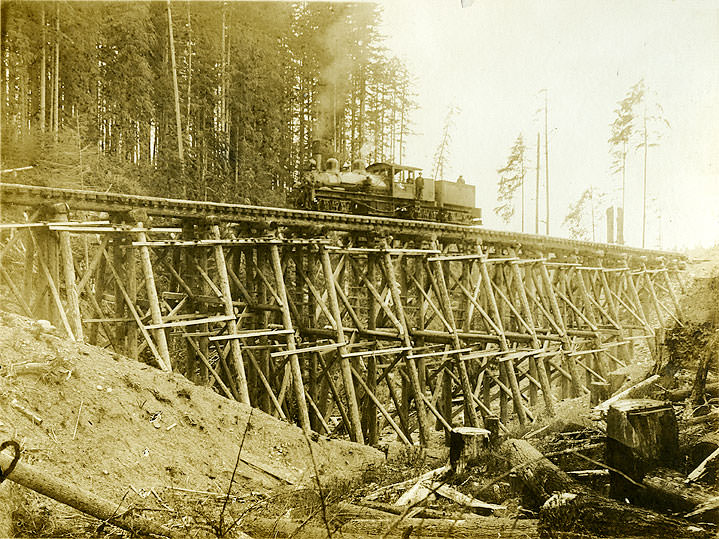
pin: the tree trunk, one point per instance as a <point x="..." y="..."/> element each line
<point x="700" y="380"/>
<point x="667" y="489"/>
<point x="33" y="478"/>
<point x="476" y="528"/>
<point x="188" y="116"/>
<point x="178" y="122"/>
<point x="56" y="89"/>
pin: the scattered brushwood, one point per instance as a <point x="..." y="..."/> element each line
<point x="567" y="506"/>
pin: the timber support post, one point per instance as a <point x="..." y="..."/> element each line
<point x="296" y="369"/>
<point x="354" y="415"/>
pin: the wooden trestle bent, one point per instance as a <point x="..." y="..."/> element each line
<point x="351" y="333"/>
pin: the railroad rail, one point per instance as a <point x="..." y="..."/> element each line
<point x="85" y="200"/>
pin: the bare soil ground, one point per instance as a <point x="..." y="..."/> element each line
<point x="124" y="430"/>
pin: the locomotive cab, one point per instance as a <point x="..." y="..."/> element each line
<point x="407" y="182"/>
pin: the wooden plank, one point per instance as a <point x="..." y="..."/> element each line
<point x="440" y="353"/>
<point x="307" y="349"/>
<point x="192" y="322"/>
<point x="253" y="333"/>
<point x="124" y="229"/>
<point x="380" y="352"/>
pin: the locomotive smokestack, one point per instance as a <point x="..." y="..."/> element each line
<point x="320" y="153"/>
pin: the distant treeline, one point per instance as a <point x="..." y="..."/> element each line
<point x="92" y="93"/>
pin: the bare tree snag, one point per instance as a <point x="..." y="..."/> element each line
<point x="700" y="380"/>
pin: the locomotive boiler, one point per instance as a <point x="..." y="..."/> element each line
<point x="383" y="189"/>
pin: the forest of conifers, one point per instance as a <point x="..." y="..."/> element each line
<point x="205" y="100"/>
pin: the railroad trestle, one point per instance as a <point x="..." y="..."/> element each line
<point x="377" y="329"/>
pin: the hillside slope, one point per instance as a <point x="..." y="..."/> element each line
<point x="120" y="428"/>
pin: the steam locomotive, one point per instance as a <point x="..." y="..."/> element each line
<point x="383" y="189"/>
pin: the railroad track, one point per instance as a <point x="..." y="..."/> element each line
<point x="85" y="200"/>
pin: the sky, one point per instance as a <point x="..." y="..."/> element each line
<point x="493" y="58"/>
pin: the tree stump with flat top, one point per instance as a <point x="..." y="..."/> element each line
<point x="642" y="435"/>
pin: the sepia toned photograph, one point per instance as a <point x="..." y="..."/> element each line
<point x="348" y="269"/>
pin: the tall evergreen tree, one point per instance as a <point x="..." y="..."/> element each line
<point x="511" y="178"/>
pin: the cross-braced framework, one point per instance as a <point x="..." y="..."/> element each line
<point x="350" y="333"/>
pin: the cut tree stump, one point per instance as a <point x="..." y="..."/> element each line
<point x="600" y="392"/>
<point x="466" y="445"/>
<point x="642" y="435"/>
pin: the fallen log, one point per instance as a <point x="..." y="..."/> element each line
<point x="704" y="447"/>
<point x="668" y="489"/>
<point x="393" y="510"/>
<point x="78" y="498"/>
<point x="476" y="527"/>
<point x="711" y="417"/>
<point x="676" y="395"/>
<point x="710" y="506"/>
<point x="589" y="513"/>
<point x="580" y="510"/>
<point x="702" y="468"/>
<point x="541" y="476"/>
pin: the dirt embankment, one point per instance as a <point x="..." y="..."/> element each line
<point x="120" y="428"/>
